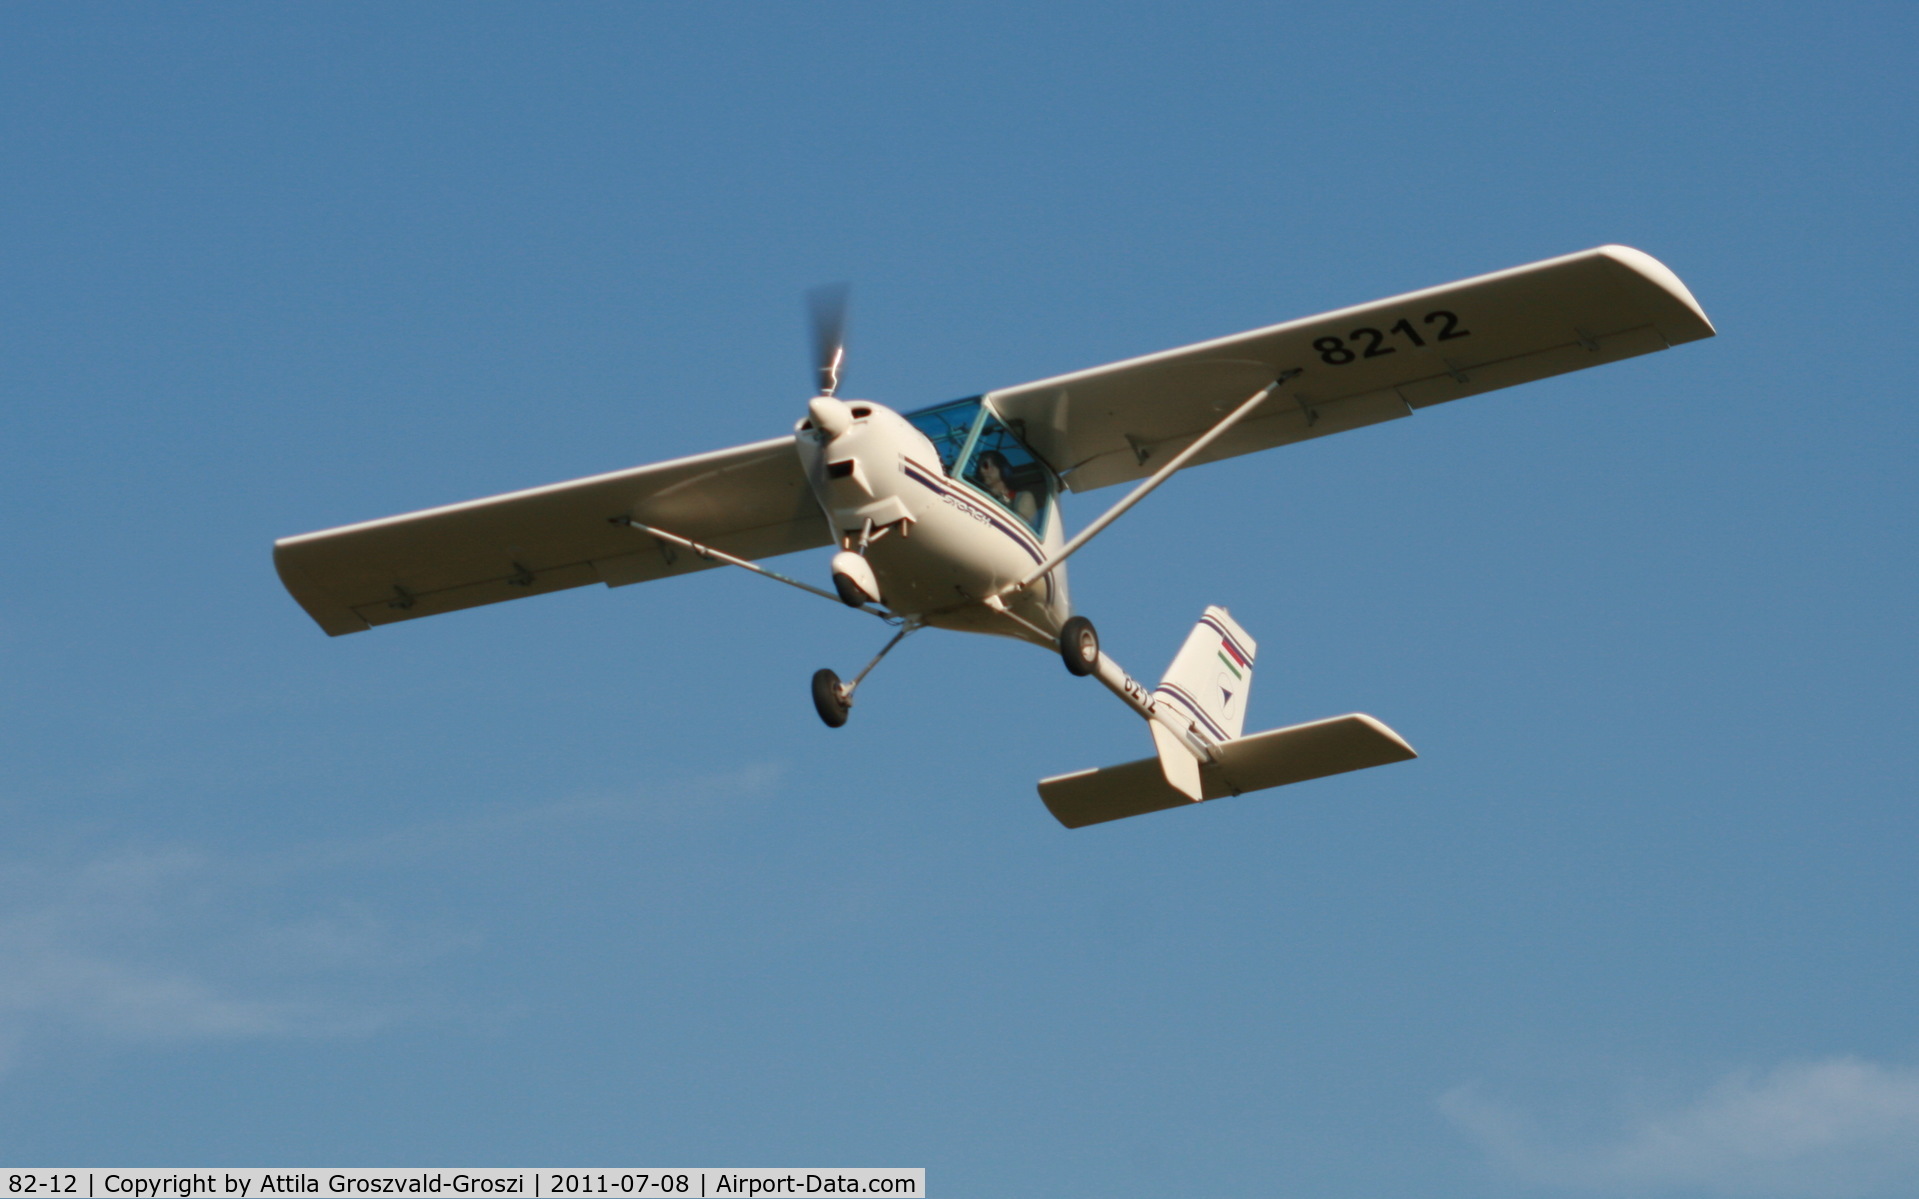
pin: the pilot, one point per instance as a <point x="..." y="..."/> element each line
<point x="993" y="478"/>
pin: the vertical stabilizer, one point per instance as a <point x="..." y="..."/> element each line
<point x="1210" y="676"/>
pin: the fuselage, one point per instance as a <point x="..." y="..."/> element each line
<point x="946" y="525"/>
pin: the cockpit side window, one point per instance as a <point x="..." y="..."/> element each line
<point x="974" y="445"/>
<point x="1000" y="465"/>
<point x="948" y="426"/>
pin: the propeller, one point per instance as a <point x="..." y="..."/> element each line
<point x="827" y="306"/>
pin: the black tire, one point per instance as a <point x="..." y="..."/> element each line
<point x="829" y="700"/>
<point x="850" y="593"/>
<point x="1079" y="646"/>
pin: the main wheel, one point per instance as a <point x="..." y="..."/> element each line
<point x="1079" y="646"/>
<point x="829" y="699"/>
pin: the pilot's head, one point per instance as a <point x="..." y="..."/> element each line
<point x="993" y="469"/>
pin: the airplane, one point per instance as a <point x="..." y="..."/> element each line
<point x="949" y="517"/>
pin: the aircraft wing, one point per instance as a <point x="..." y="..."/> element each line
<point x="1360" y="365"/>
<point x="751" y="501"/>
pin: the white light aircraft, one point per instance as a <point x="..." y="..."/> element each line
<point x="949" y="517"/>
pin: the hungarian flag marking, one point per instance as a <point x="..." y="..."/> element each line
<point x="1231" y="658"/>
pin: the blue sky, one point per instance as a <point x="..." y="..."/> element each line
<point x="583" y="880"/>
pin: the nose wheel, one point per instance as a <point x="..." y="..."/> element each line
<point x="830" y="699"/>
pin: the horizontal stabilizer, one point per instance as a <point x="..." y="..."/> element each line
<point x="1255" y="763"/>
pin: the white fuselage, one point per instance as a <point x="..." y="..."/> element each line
<point x="939" y="546"/>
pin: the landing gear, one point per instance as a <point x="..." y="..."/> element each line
<point x="1079" y="646"/>
<point x="850" y="593"/>
<point x="830" y="699"/>
<point x="853" y="578"/>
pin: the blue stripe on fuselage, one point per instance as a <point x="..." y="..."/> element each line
<point x="918" y="474"/>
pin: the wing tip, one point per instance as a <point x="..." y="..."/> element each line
<point x="1663" y="277"/>
<point x="334" y="618"/>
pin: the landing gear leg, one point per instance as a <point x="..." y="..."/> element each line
<point x="832" y="699"/>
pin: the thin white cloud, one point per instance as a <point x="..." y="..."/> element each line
<point x="1835" y="1128"/>
<point x="714" y="797"/>
<point x="128" y="947"/>
<point x="150" y="945"/>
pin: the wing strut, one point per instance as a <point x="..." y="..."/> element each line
<point x="1159" y="476"/>
<point x="713" y="555"/>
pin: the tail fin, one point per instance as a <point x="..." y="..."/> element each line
<point x="1211" y="674"/>
<point x="1205" y="686"/>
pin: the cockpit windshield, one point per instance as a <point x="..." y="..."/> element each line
<point x="975" y="446"/>
<point x="948" y="426"/>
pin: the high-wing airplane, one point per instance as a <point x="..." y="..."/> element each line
<point x="949" y="517"/>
